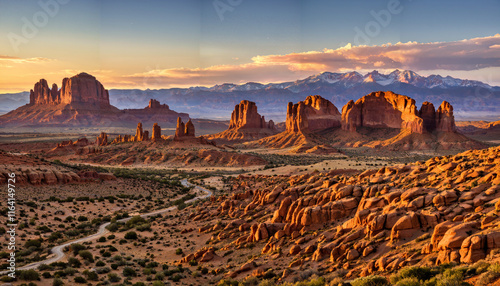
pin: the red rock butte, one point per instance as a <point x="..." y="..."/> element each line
<point x="313" y="114"/>
<point x="390" y="110"/>
<point x="81" y="89"/>
<point x="245" y="116"/>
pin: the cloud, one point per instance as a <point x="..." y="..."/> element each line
<point x="17" y="60"/>
<point x="465" y="55"/>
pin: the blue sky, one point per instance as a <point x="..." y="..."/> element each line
<point x="121" y="41"/>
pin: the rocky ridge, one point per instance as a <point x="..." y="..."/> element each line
<point x="377" y="221"/>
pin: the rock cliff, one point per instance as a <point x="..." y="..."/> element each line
<point x="313" y="114"/>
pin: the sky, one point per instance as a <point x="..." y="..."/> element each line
<point x="173" y="43"/>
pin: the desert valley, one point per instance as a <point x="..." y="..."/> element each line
<point x="378" y="191"/>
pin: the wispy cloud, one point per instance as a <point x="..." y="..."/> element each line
<point x="466" y="55"/>
<point x="17" y="60"/>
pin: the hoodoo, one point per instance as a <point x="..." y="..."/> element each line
<point x="184" y="131"/>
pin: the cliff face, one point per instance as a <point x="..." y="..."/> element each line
<point x="313" y="114"/>
<point x="245" y="116"/>
<point x="82" y="89"/>
<point x="390" y="110"/>
<point x="382" y="110"/>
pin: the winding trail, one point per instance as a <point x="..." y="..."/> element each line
<point x="58" y="250"/>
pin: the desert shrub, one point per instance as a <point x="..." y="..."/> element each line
<point x="57" y="282"/>
<point x="267" y="283"/>
<point x="176" y="278"/>
<point x="408" y="281"/>
<point x="102" y="270"/>
<point x="33" y="243"/>
<point x="131" y="235"/>
<point x="491" y="275"/>
<point x="55" y="236"/>
<point x="136" y="220"/>
<point x="100" y="263"/>
<point x="76" y="247"/>
<point x="91" y="275"/>
<point x="420" y="273"/>
<point x="372" y="280"/>
<point x="480" y="267"/>
<point x="74" y="262"/>
<point x="28" y="275"/>
<point x="113" y="227"/>
<point x="113" y="277"/>
<point x="452" y="277"/>
<point x="129" y="272"/>
<point x="178" y="251"/>
<point x="85" y="254"/>
<point x="80" y="279"/>
<point x="227" y="282"/>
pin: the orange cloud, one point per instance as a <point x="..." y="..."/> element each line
<point x="464" y="55"/>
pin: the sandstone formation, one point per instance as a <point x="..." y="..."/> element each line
<point x="382" y="110"/>
<point x="375" y="221"/>
<point x="42" y="94"/>
<point x="445" y="121"/>
<point x="313" y="114"/>
<point x="245" y="116"/>
<point x="102" y="139"/>
<point x="390" y="110"/>
<point x="182" y="131"/>
<point x="83" y="101"/>
<point x="156" y="134"/>
<point x="81" y="89"/>
<point x="140" y="136"/>
<point x="155" y="104"/>
<point x="246" y="124"/>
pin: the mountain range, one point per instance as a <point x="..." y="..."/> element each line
<point x="471" y="99"/>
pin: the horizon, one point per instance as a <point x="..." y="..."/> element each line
<point x="249" y="82"/>
<point x="172" y="44"/>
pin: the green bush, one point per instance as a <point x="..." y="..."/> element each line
<point x="129" y="272"/>
<point x="57" y="282"/>
<point x="372" y="280"/>
<point x="131" y="235"/>
<point x="74" y="262"/>
<point x="79" y="279"/>
<point x="420" y="273"/>
<point x="76" y="248"/>
<point x="28" y="275"/>
<point x="409" y="281"/>
<point x="85" y="254"/>
<point x="113" y="277"/>
<point x="491" y="275"/>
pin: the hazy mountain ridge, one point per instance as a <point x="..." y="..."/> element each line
<point x="471" y="99"/>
